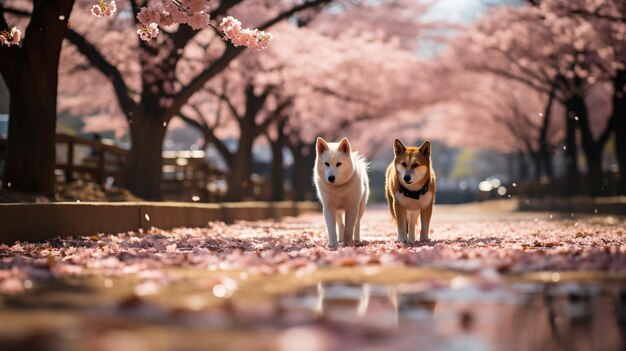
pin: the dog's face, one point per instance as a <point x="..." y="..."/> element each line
<point x="334" y="162"/>
<point x="412" y="163"/>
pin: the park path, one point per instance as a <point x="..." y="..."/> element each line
<point x="469" y="238"/>
<point x="490" y="278"/>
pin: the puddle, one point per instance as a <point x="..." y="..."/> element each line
<point x="519" y="316"/>
<point x="326" y="310"/>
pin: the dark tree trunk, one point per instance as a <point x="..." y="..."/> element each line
<point x="572" y="176"/>
<point x="545" y="158"/>
<point x="510" y="164"/>
<point x="619" y="125"/>
<point x="277" y="175"/>
<point x="537" y="166"/>
<point x="31" y="140"/>
<point x="546" y="163"/>
<point x="302" y="175"/>
<point x="239" y="178"/>
<point x="31" y="75"/>
<point x="522" y="166"/>
<point x="592" y="148"/>
<point x="144" y="167"/>
<point x="593" y="154"/>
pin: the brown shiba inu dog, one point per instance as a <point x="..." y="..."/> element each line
<point x="410" y="189"/>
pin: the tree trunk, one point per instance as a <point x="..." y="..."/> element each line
<point x="31" y="75"/>
<point x="546" y="162"/>
<point x="536" y="159"/>
<point x="302" y="175"/>
<point x="30" y="158"/>
<point x="145" y="163"/>
<point x="522" y="166"/>
<point x="239" y="178"/>
<point x="510" y="165"/>
<point x="572" y="175"/>
<point x="592" y="149"/>
<point x="277" y="170"/>
<point x="545" y="159"/>
<point x="593" y="154"/>
<point x="619" y="125"/>
<point x="239" y="182"/>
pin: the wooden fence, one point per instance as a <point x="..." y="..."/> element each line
<point x="91" y="160"/>
<point x="186" y="174"/>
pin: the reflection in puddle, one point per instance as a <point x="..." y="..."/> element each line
<point x="327" y="316"/>
<point x="521" y="316"/>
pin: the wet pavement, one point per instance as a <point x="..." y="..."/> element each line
<point x="491" y="279"/>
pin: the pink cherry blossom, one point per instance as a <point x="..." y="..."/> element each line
<point x="148" y="15"/>
<point x="8" y="38"/>
<point x="166" y="13"/>
<point x="479" y="246"/>
<point x="148" y="32"/>
<point x="252" y="38"/>
<point x="199" y="20"/>
<point x="193" y="5"/>
<point x="104" y="9"/>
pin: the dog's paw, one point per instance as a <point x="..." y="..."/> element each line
<point x="360" y="243"/>
<point x="332" y="246"/>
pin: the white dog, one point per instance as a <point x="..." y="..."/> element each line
<point x="342" y="184"/>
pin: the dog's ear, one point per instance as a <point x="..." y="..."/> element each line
<point x="344" y="146"/>
<point x="398" y="147"/>
<point x="321" y="145"/>
<point x="425" y="148"/>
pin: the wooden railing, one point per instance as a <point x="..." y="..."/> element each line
<point x="97" y="162"/>
<point x="188" y="177"/>
<point x="186" y="174"/>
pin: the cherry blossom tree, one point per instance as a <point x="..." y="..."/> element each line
<point x="29" y="69"/>
<point x="336" y="77"/>
<point x="488" y="111"/>
<point x="572" y="58"/>
<point x="164" y="73"/>
<point x="610" y="18"/>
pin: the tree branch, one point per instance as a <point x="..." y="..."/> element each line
<point x="128" y="105"/>
<point x="606" y="133"/>
<point x="511" y="76"/>
<point x="229" y="54"/>
<point x="228" y="102"/>
<point x="210" y="136"/>
<point x="276" y="115"/>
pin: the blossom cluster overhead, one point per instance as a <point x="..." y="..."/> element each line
<point x="194" y="13"/>
<point x="252" y="38"/>
<point x="104" y="9"/>
<point x="12" y="37"/>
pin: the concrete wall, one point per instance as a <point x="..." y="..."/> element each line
<point x="38" y="222"/>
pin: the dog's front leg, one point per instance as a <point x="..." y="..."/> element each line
<point x="351" y="215"/>
<point x="329" y="217"/>
<point x="401" y="221"/>
<point x="426" y="214"/>
<point x="357" y="226"/>
<point x="339" y="219"/>
<point x="412" y="220"/>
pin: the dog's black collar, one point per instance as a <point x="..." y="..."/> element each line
<point x="414" y="194"/>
